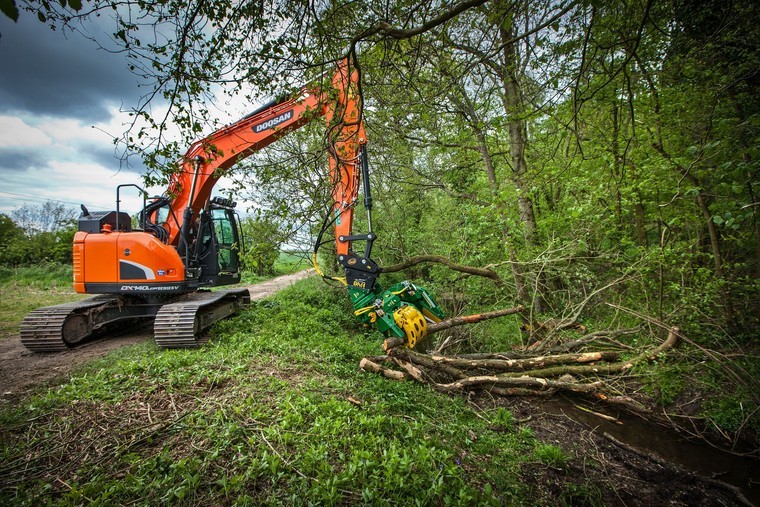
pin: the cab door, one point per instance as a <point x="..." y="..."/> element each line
<point x="227" y="240"/>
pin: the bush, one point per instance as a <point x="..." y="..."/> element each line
<point x="263" y="237"/>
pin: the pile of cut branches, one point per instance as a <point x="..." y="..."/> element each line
<point x="536" y="370"/>
<point x="544" y="366"/>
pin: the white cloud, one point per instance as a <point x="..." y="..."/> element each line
<point x="66" y="130"/>
<point x="68" y="160"/>
<point x="66" y="173"/>
<point x="15" y="133"/>
<point x="71" y="183"/>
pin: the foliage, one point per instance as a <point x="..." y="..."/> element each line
<point x="37" y="235"/>
<point x="730" y="406"/>
<point x="263" y="239"/>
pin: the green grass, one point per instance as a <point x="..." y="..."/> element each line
<point x="272" y="411"/>
<point x="290" y="262"/>
<point x="286" y="263"/>
<point x="25" y="289"/>
<point x="47" y="275"/>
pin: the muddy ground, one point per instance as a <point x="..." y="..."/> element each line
<point x="602" y="470"/>
<point x="21" y="370"/>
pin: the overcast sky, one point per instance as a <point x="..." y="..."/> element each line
<point x="60" y="98"/>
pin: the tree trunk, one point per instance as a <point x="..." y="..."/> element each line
<point x="641" y="233"/>
<point x="711" y="230"/>
<point x="518" y="136"/>
<point x="471" y="115"/>
<point x="518" y="140"/>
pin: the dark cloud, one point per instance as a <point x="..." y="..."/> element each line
<point x="105" y="156"/>
<point x="18" y="160"/>
<point x="44" y="72"/>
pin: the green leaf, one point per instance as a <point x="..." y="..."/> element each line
<point x="75" y="4"/>
<point x="717" y="219"/>
<point x="8" y="7"/>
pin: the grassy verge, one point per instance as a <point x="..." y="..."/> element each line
<point x="290" y="262"/>
<point x="272" y="411"/>
<point x="25" y="289"/>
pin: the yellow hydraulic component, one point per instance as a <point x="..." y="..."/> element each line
<point x="364" y="310"/>
<point x="411" y="321"/>
<point x="320" y="273"/>
<point x="430" y="316"/>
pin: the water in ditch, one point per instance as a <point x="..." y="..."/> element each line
<point x="703" y="459"/>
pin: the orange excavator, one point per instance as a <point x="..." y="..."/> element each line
<point x="186" y="241"/>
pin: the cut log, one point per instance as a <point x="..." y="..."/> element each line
<point x="367" y="365"/>
<point x="606" y="369"/>
<point x="510" y="374"/>
<point x="472" y="319"/>
<point x="525" y="364"/>
<point x="410" y="356"/>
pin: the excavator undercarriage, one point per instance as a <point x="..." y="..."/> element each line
<point x="178" y="321"/>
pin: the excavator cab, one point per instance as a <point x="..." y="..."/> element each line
<point x="219" y="244"/>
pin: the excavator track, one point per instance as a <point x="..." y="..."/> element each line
<point x="180" y="325"/>
<point x="57" y="328"/>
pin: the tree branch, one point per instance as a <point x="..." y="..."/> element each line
<point x="472" y="319"/>
<point x="472" y="270"/>
<point x="396" y="33"/>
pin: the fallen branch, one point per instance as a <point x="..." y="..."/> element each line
<point x="599" y="414"/>
<point x="744" y="379"/>
<point x="608" y="369"/>
<point x="472" y="319"/>
<point x="419" y="259"/>
<point x="541" y="384"/>
<point x="510" y="374"/>
<point x="521" y="365"/>
<point x="426" y="361"/>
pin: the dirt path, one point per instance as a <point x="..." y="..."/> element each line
<point x="21" y="370"/>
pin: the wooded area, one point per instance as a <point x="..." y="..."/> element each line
<point x="594" y="162"/>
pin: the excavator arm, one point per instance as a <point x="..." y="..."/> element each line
<point x="209" y="159"/>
